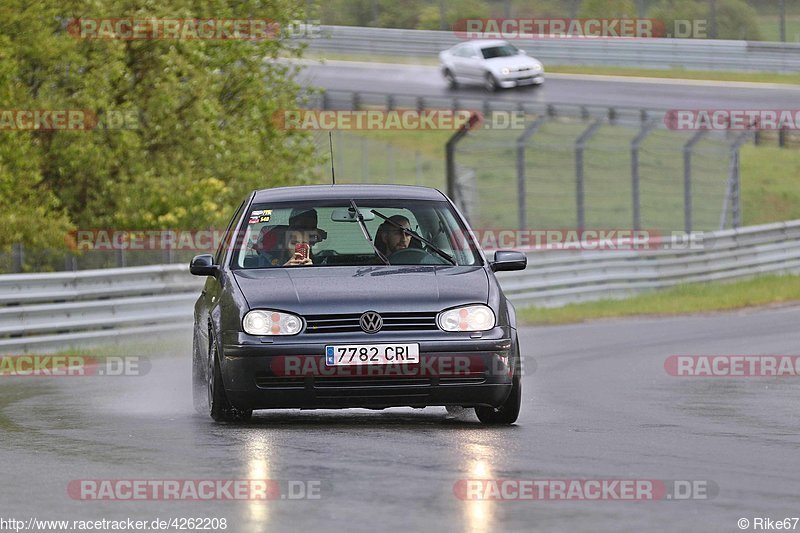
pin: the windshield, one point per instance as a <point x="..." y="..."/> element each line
<point x="505" y="50"/>
<point x="327" y="233"/>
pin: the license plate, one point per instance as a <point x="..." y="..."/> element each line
<point x="371" y="354"/>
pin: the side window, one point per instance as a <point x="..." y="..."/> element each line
<point x="224" y="243"/>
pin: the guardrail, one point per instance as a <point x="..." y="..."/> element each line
<point x="65" y="309"/>
<point x="557" y="278"/>
<point x="696" y="54"/>
<point x="41" y="312"/>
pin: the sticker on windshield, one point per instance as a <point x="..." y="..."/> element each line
<point x="260" y="215"/>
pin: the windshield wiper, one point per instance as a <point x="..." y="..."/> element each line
<point x="365" y="231"/>
<point x="416" y="235"/>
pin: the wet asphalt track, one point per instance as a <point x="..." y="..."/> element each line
<point x="643" y="93"/>
<point x="598" y="405"/>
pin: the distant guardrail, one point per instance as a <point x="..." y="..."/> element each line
<point x="556" y="278"/>
<point x="61" y="310"/>
<point x="692" y="54"/>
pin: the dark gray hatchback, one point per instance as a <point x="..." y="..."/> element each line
<point x="344" y="296"/>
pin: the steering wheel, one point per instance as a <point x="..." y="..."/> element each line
<point x="325" y="255"/>
<point x="414" y="256"/>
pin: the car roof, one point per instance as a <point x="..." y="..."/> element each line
<point x="345" y="192"/>
<point x="486" y="43"/>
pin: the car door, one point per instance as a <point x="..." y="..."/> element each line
<point x="209" y="297"/>
<point x="473" y="63"/>
<point x="457" y="60"/>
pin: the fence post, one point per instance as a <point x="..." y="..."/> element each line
<point x="580" y="144"/>
<point x="450" y="157"/>
<point x="687" y="179"/>
<point x="635" y="145"/>
<point x="356" y="101"/>
<point x="391" y="162"/>
<point x="522" y="140"/>
<point x="364" y="160"/>
<point x="17" y="257"/>
<point x="733" y="190"/>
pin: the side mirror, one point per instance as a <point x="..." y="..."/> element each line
<point x="203" y="265"/>
<point x="507" y="260"/>
<point x="522" y="52"/>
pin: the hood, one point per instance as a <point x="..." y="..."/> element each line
<point x="340" y="289"/>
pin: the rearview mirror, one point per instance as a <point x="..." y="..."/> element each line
<point x="507" y="260"/>
<point x="203" y="265"/>
<point x="348" y="214"/>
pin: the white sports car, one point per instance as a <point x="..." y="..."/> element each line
<point x="495" y="64"/>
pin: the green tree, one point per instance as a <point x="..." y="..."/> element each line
<point x="605" y="9"/>
<point x="202" y="133"/>
<point x="735" y="19"/>
<point x="431" y="16"/>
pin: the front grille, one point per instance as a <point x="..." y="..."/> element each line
<point x="357" y="383"/>
<point x="349" y="323"/>
<point x="280" y="382"/>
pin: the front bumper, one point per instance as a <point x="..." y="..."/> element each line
<point x="292" y="374"/>
<point x="520" y="79"/>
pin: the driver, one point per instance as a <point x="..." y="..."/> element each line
<point x="390" y="239"/>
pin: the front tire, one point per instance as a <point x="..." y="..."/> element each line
<point x="508" y="412"/>
<point x="452" y="83"/>
<point x="199" y="386"/>
<point x="490" y="82"/>
<point x="219" y="407"/>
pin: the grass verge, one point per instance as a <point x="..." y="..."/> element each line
<point x="679" y="300"/>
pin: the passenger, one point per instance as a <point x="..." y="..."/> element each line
<point x="276" y="246"/>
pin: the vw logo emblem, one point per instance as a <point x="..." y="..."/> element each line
<point x="370" y="322"/>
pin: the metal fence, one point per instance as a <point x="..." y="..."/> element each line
<point x="692" y="54"/>
<point x="570" y="166"/>
<point x="60" y="311"/>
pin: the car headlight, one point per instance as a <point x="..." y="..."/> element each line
<point x="505" y="71"/>
<point x="467" y="318"/>
<point x="266" y="322"/>
<point x="537" y="67"/>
